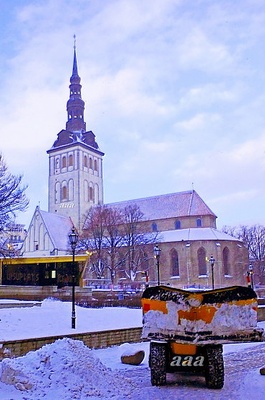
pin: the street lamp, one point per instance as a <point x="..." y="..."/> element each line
<point x="73" y="239"/>
<point x="157" y="252"/>
<point x="212" y="261"/>
<point x="250" y="268"/>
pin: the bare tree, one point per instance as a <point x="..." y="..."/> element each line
<point x="118" y="240"/>
<point x="253" y="238"/>
<point x="93" y="239"/>
<point x="103" y="236"/>
<point x="136" y="239"/>
<point x="12" y="195"/>
<point x="113" y="223"/>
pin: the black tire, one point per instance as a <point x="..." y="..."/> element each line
<point x="214" y="366"/>
<point x="157" y="363"/>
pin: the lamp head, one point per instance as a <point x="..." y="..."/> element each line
<point x="212" y="260"/>
<point x="73" y="238"/>
<point x="157" y="251"/>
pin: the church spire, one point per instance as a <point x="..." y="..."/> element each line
<point x="75" y="104"/>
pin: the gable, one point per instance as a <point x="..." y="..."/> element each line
<point x="47" y="233"/>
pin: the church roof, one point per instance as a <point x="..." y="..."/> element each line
<point x="67" y="138"/>
<point x="191" y="234"/>
<point x="173" y="205"/>
<point x="58" y="228"/>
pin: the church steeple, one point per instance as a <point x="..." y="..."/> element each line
<point x="75" y="104"/>
<point x="75" y="162"/>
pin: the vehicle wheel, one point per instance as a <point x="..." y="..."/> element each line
<point x="214" y="366"/>
<point x="157" y="363"/>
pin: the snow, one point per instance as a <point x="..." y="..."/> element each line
<point x="68" y="370"/>
<point x="54" y="318"/>
<point x="225" y="318"/>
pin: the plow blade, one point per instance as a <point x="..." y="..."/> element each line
<point x="214" y="316"/>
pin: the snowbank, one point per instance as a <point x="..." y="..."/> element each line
<point x="68" y="370"/>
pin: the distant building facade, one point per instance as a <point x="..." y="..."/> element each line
<point x="188" y="238"/>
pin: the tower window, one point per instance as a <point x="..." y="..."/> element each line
<point x="91" y="194"/>
<point x="64" y="162"/>
<point x="70" y="160"/>
<point x="64" y="193"/>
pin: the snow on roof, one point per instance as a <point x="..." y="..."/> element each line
<point x="58" y="227"/>
<point x="172" y="205"/>
<point x="191" y="234"/>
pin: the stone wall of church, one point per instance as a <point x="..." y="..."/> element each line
<point x="182" y="264"/>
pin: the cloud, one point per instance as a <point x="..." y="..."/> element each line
<point x="172" y="91"/>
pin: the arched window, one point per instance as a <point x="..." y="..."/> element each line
<point x="226" y="263"/>
<point x="86" y="191"/>
<point x="41" y="237"/>
<point x="96" y="194"/>
<point x="91" y="193"/>
<point x="177" y="224"/>
<point x="85" y="161"/>
<point x="90" y="163"/>
<point x="71" y="160"/>
<point x="201" y="255"/>
<point x="154" y="227"/>
<point x="64" y="191"/>
<point x="71" y="190"/>
<point x="57" y="193"/>
<point x="95" y="165"/>
<point x="64" y="162"/>
<point x="174" y="261"/>
<point x="199" y="222"/>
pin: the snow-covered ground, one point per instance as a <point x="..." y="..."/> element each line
<point x="68" y="370"/>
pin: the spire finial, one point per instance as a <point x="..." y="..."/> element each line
<point x="74" y="41"/>
<point x="75" y="73"/>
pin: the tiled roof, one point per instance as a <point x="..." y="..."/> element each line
<point x="58" y="227"/>
<point x="174" y="205"/>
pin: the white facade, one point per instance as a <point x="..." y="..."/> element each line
<point x="75" y="181"/>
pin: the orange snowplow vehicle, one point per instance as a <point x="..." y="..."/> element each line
<point x="187" y="329"/>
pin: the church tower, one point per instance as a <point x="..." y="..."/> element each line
<point x="75" y="162"/>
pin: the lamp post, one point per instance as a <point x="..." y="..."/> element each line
<point x="250" y="268"/>
<point x="73" y="239"/>
<point x="212" y="261"/>
<point x="157" y="252"/>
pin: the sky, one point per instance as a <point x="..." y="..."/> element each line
<point x="67" y="369"/>
<point x="174" y="92"/>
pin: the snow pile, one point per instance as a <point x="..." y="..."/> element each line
<point x="67" y="369"/>
<point x="226" y="318"/>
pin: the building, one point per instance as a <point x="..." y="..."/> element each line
<point x="75" y="162"/>
<point x="189" y="238"/>
<point x="12" y="238"/>
<point x="193" y="252"/>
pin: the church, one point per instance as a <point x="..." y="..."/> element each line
<point x="192" y="252"/>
